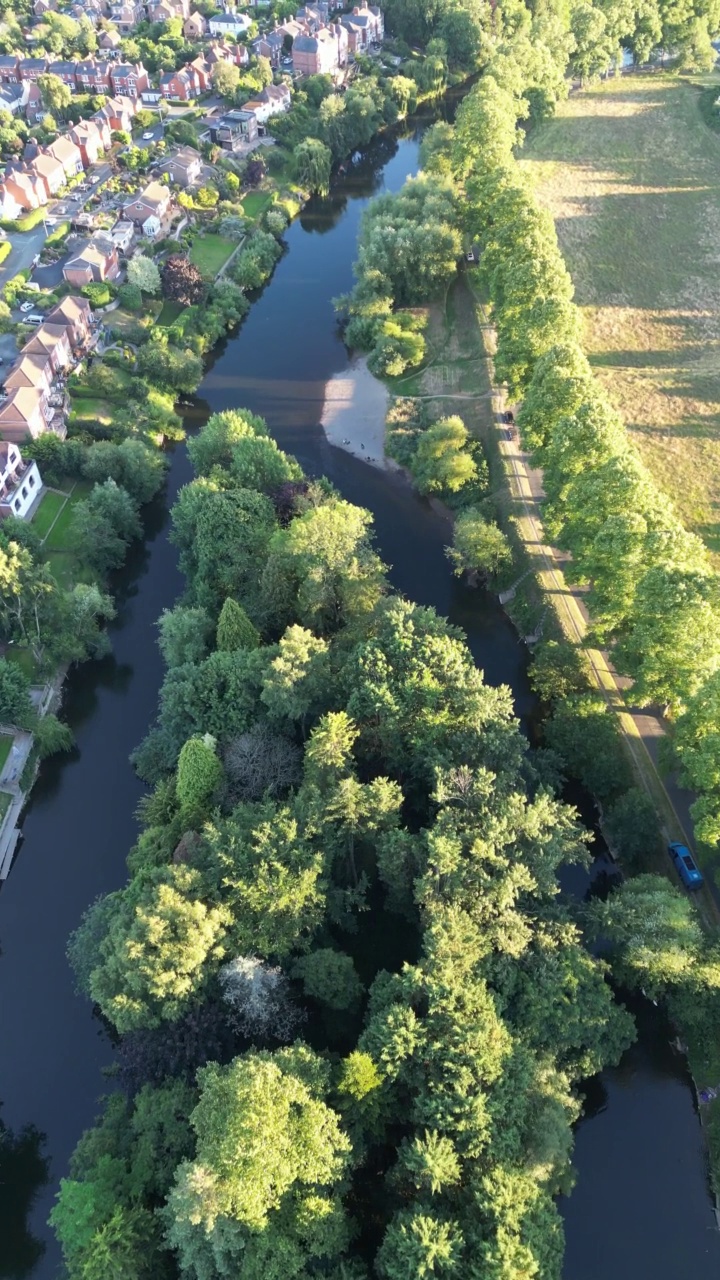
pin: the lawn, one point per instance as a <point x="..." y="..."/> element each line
<point x="92" y="408"/>
<point x="46" y="512"/>
<point x="629" y="170"/>
<point x="5" y="802"/>
<point x="169" y="314"/>
<point x="210" y="253"/>
<point x="24" y="660"/>
<point x="57" y="540"/>
<point x="255" y="203"/>
<point x="5" y="745"/>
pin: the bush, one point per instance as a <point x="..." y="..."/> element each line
<point x="633" y="828"/>
<point x="26" y="223"/>
<point x="130" y="297"/>
<point x="52" y="736"/>
<point x="98" y="293"/>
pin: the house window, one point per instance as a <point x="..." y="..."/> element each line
<point x="31" y="481"/>
<point x="16" y="504"/>
<point x="24" y="491"/>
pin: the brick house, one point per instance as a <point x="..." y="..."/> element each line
<point x="10" y="206"/>
<point x="88" y="137"/>
<point x="31" y="68"/>
<point x="68" y="154"/>
<point x="129" y="79"/>
<point x="93" y="77"/>
<point x="41" y="6"/>
<point x="323" y="53"/>
<point x="75" y="315"/>
<point x="126" y="14"/>
<point x="9" y="68"/>
<point x="25" y="412"/>
<point x="270" y="46"/>
<point x="109" y="40"/>
<point x="365" y="26"/>
<point x="51" y="340"/>
<point x="117" y="114"/>
<point x="184" y="167"/>
<point x="149" y="209"/>
<point x="221" y="51"/>
<point x="96" y="261"/>
<point x="49" y="170"/>
<point x="31" y="371"/>
<point x="65" y="71"/>
<point x="195" y="26"/>
<point x="20" y="482"/>
<point x="27" y="188"/>
<point x="180" y="85"/>
<point x="203" y="72"/>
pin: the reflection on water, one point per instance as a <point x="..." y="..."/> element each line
<point x="23" y="1171"/>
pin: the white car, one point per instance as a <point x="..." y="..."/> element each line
<point x="148" y="135"/>
<point x="26" y="306"/>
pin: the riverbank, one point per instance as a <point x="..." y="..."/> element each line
<point x="354" y="413"/>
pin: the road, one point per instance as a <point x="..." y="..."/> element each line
<point x="26" y="244"/>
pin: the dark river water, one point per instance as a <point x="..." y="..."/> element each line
<point x="641" y="1207"/>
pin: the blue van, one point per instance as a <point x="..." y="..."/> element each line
<point x="685" y="865"/>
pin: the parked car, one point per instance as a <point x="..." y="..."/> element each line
<point x="685" y="865"/>
<point x="26" y="306"/>
<point x="35" y="319"/>
<point x="148" y="135"/>
<point x="32" y="285"/>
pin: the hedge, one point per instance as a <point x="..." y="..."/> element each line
<point x="23" y="224"/>
<point x="5" y="250"/>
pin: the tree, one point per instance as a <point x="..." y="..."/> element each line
<point x="214" y="444"/>
<point x="225" y="78"/>
<point x="234" y="628"/>
<point x="182" y="280"/>
<point x="259" y="1000"/>
<point x="330" y="977"/>
<point x="253" y="173"/>
<point x="103" y="525"/>
<point x="184" y="634"/>
<point x="130" y="297"/>
<point x="260" y="763"/>
<point x="161" y="945"/>
<point x="594" y="47"/>
<point x="654" y="933"/>
<point x="478" y="546"/>
<point x="56" y="95"/>
<point x="143" y="272"/>
<point x="633" y="827"/>
<point x="15" y="705"/>
<point x="586" y="735"/>
<point x="417" y="1245"/>
<point x="313" y="163"/>
<point x="269" y="1154"/>
<point x="168" y="367"/>
<point x="296" y="683"/>
<point x="442" y="462"/>
<point x="559" y="670"/>
<point x="133" y="465"/>
<point x="199" y="775"/>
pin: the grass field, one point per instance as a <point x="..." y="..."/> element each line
<point x="24" y="660"/>
<point x="46" y="512"/>
<point x="210" y="252"/>
<point x="631" y="172"/>
<point x="91" y="409"/>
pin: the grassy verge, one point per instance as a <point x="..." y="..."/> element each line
<point x="5" y="747"/>
<point x="629" y="171"/>
<point x="5" y="802"/>
<point x="210" y="253"/>
<point x="24" y="660"/>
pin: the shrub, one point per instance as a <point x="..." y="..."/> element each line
<point x="97" y="293"/>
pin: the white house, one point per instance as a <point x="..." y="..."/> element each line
<point x="229" y="24"/>
<point x="20" y="482"/>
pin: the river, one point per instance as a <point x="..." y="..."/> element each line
<point x="641" y="1206"/>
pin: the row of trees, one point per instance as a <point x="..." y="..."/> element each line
<point x="323" y="746"/>
<point x="652" y="592"/>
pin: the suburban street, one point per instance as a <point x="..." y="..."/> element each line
<point x="26" y="244"/>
